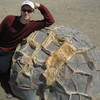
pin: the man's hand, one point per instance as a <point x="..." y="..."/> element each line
<point x="37" y="5"/>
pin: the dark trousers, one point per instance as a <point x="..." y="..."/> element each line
<point x="5" y="65"/>
<point x="5" y="61"/>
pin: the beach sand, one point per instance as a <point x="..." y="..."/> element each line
<point x="82" y="15"/>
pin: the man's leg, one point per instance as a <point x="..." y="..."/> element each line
<point x="5" y="61"/>
<point x="5" y="65"/>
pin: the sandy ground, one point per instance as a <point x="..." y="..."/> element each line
<point x="83" y="15"/>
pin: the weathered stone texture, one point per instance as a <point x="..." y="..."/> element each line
<point x="75" y="79"/>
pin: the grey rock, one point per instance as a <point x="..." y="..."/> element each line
<point x="76" y="79"/>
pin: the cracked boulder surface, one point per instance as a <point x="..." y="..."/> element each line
<point x="60" y="63"/>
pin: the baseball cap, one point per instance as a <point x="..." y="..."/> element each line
<point x="28" y="2"/>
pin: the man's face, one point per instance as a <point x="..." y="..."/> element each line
<point x="26" y="12"/>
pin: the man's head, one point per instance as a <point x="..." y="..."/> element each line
<point x="27" y="9"/>
<point x="29" y="3"/>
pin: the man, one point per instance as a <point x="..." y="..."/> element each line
<point x="14" y="28"/>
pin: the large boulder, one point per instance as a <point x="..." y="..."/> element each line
<point x="60" y="63"/>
